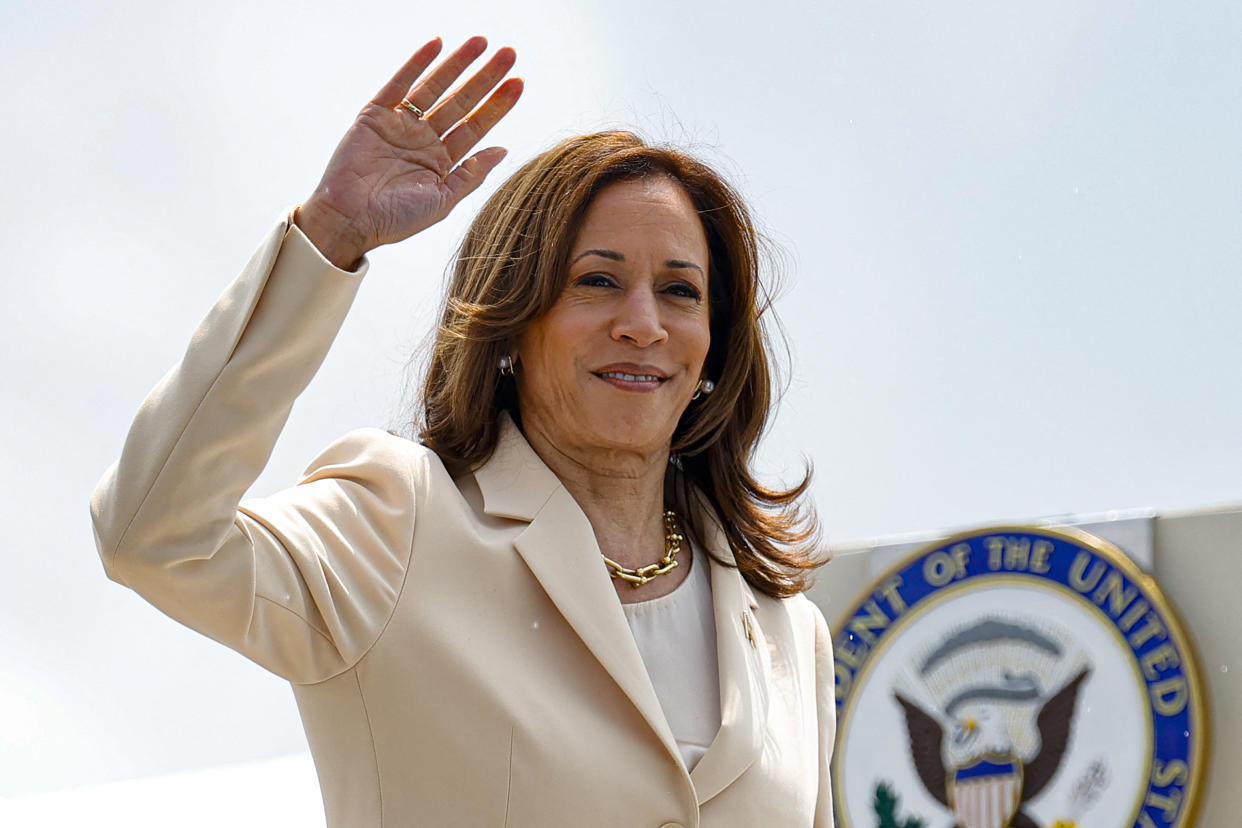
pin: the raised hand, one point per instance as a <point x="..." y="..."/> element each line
<point x="396" y="173"/>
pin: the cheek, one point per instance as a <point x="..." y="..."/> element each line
<point x="549" y="346"/>
<point x="546" y="364"/>
<point x="698" y="339"/>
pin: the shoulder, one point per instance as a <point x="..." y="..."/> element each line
<point x="376" y="458"/>
<point x="811" y="612"/>
<point x="799" y="608"/>
<point x="803" y="620"/>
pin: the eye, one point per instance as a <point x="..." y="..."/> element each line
<point x="596" y="280"/>
<point x="684" y="290"/>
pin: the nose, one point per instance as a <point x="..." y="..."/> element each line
<point x="638" y="319"/>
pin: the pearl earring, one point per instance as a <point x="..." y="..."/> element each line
<point x="506" y="365"/>
<point x="705" y="386"/>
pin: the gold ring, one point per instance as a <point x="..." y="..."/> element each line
<point x="408" y="104"/>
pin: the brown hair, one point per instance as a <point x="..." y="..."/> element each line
<point x="511" y="269"/>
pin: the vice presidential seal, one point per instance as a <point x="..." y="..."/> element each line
<point x="1020" y="677"/>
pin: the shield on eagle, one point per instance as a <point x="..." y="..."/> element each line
<point x="987" y="793"/>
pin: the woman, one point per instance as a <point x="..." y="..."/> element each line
<point x="448" y="611"/>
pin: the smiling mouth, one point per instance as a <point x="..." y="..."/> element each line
<point x="624" y="377"/>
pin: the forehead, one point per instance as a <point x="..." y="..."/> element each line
<point x="649" y="210"/>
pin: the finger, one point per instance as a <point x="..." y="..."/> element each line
<point x="471" y="173"/>
<point x="471" y="130"/>
<point x="466" y="97"/>
<point x="429" y="89"/>
<point x="395" y="89"/>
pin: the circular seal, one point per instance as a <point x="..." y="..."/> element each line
<point x="1023" y="677"/>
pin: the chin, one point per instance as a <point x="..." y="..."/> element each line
<point x="620" y="431"/>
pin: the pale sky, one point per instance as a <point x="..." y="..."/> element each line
<point x="1012" y="241"/>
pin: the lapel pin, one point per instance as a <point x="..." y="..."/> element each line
<point x="750" y="635"/>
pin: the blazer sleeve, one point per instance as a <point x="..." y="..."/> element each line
<point x="301" y="582"/>
<point x="825" y="690"/>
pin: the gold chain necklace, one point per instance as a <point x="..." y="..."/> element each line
<point x="647" y="574"/>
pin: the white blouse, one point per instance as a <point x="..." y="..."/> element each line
<point x="676" y="635"/>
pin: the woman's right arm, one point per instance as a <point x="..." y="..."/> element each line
<point x="282" y="580"/>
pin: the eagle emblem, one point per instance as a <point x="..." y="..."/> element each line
<point x="989" y="790"/>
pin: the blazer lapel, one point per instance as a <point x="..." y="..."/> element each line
<point x="745" y="665"/>
<point x="560" y="549"/>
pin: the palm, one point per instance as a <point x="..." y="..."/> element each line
<point x="389" y="176"/>
<point x="394" y="174"/>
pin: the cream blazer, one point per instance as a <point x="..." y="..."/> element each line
<point x="457" y="650"/>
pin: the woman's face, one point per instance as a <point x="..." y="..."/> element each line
<point x="616" y="360"/>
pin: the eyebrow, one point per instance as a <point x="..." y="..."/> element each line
<point x="618" y="257"/>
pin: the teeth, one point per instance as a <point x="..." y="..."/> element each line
<point x="629" y="377"/>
